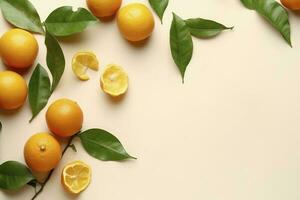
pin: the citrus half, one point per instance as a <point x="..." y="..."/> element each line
<point x="76" y="176"/>
<point x="114" y="80"/>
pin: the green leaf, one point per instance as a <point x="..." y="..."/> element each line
<point x="39" y="90"/>
<point x="55" y="59"/>
<point x="204" y="28"/>
<point x="14" y="175"/>
<point x="103" y="145"/>
<point x="181" y="44"/>
<point x="275" y="14"/>
<point x="159" y="6"/>
<point x="64" y="22"/>
<point x="22" y="14"/>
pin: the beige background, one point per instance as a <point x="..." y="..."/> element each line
<point x="231" y="132"/>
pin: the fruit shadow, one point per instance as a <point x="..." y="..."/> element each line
<point x="107" y="19"/>
<point x="296" y="12"/>
<point x="115" y="100"/>
<point x="11" y="113"/>
<point x="22" y="72"/>
<point x="139" y="44"/>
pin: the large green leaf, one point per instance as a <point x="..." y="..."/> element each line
<point x="14" y="175"/>
<point x="159" y="6"/>
<point x="103" y="145"/>
<point x="39" y="90"/>
<point x="64" y="21"/>
<point x="181" y="44"/>
<point x="55" y="59"/>
<point x="276" y="15"/>
<point x="22" y="14"/>
<point x="204" y="28"/>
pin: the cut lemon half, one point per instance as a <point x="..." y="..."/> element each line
<point x="114" y="80"/>
<point x="82" y="61"/>
<point x="76" y="176"/>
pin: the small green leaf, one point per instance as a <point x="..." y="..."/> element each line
<point x="103" y="145"/>
<point x="204" y="28"/>
<point x="64" y="21"/>
<point x="55" y="59"/>
<point x="159" y="6"/>
<point x="39" y="90"/>
<point x="181" y="44"/>
<point x="22" y="14"/>
<point x="14" y="175"/>
<point x="275" y="14"/>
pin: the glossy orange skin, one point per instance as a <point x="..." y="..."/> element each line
<point x="42" y="152"/>
<point x="64" y="118"/>
<point x="18" y="48"/>
<point x="135" y="22"/>
<point x="291" y="4"/>
<point x="104" y="8"/>
<point x="13" y="90"/>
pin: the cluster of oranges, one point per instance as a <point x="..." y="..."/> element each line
<point x="18" y="49"/>
<point x="42" y="151"/>
<point x="64" y="117"/>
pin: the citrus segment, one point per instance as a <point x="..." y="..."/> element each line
<point x="82" y="61"/>
<point x="114" y="80"/>
<point x="76" y="176"/>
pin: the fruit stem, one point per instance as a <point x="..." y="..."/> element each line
<point x="43" y="184"/>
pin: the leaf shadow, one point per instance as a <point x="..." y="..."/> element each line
<point x="73" y="38"/>
<point x="11" y="194"/>
<point x="272" y="28"/>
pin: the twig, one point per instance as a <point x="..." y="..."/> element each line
<point x="51" y="172"/>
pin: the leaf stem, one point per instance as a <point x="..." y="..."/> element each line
<point x="43" y="184"/>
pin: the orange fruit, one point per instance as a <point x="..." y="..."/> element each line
<point x="104" y="8"/>
<point x="42" y="152"/>
<point x="76" y="176"/>
<point x="291" y="4"/>
<point x="64" y="117"/>
<point x="13" y="90"/>
<point x="18" y="48"/>
<point x="135" y="22"/>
